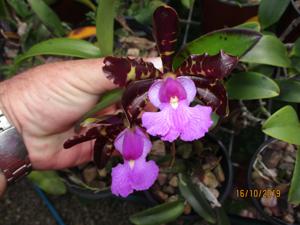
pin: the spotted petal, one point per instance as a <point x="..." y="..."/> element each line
<point x="165" y="32"/>
<point x="217" y="66"/>
<point x="212" y="93"/>
<point x="124" y="70"/>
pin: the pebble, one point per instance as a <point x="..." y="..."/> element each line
<point x="187" y="209"/>
<point x="174" y="181"/>
<point x="162" y="178"/>
<point x="270" y="201"/>
<point x="89" y="174"/>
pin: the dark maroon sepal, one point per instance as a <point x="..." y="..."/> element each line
<point x="165" y="32"/>
<point x="135" y="98"/>
<point x="102" y="152"/>
<point x="217" y="66"/>
<point x="212" y="93"/>
<point x="124" y="70"/>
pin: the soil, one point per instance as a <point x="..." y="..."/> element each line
<point x="22" y="206"/>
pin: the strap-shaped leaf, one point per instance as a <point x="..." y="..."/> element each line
<point x="212" y="93"/>
<point x="135" y="98"/>
<point x="196" y="198"/>
<point x="124" y="70"/>
<point x="165" y="32"/>
<point x="160" y="214"/>
<point x="217" y="66"/>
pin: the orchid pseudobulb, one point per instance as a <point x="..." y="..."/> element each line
<point x="135" y="173"/>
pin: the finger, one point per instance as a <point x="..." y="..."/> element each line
<point x="2" y="184"/>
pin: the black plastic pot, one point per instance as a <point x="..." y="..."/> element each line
<point x="257" y="204"/>
<point x="227" y="168"/>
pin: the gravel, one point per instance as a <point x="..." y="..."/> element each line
<point x="22" y="206"/>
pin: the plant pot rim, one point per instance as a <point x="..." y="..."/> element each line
<point x="256" y="203"/>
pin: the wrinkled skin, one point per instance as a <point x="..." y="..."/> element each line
<point x="45" y="102"/>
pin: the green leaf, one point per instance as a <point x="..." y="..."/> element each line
<point x="296" y="48"/>
<point x="253" y="25"/>
<point x="144" y="15"/>
<point x="105" y="26"/>
<point x="187" y="3"/>
<point x="233" y="41"/>
<point x="21" y="7"/>
<point x="284" y="125"/>
<point x="62" y="47"/>
<point x="270" y="11"/>
<point x="109" y="98"/>
<point x="196" y="198"/>
<point x="289" y="90"/>
<point x="222" y="218"/>
<point x="251" y="85"/>
<point x="48" y="181"/>
<point x="47" y="16"/>
<point x="88" y="3"/>
<point x="270" y="51"/>
<point x="296" y="63"/>
<point x="294" y="191"/>
<point x="3" y="10"/>
<point x="160" y="214"/>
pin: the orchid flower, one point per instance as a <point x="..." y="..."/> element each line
<point x="173" y="96"/>
<point x="135" y="173"/>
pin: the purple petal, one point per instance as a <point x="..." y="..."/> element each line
<point x="119" y="141"/>
<point x="121" y="184"/>
<point x="144" y="174"/>
<point x="157" y="123"/>
<point x="199" y="122"/>
<point x="171" y="88"/>
<point x="147" y="143"/>
<point x="172" y="135"/>
<point x="133" y="145"/>
<point x="189" y="87"/>
<point x="153" y="93"/>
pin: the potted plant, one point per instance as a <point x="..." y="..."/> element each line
<point x="147" y="89"/>
<point x="270" y="175"/>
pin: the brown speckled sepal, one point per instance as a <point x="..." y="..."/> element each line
<point x="212" y="93"/>
<point x="217" y="66"/>
<point x="165" y="32"/>
<point x="124" y="70"/>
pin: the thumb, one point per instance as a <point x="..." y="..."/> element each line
<point x="2" y="184"/>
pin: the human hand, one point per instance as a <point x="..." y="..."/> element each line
<point x="45" y="102"/>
